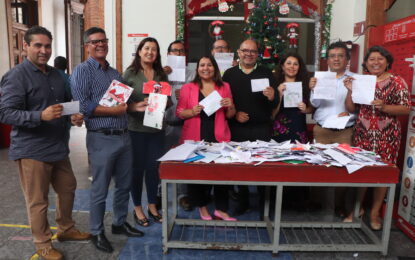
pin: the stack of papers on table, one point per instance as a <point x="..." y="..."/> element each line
<point x="257" y="152"/>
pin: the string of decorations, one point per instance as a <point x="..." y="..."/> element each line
<point x="180" y="13"/>
<point x="326" y="27"/>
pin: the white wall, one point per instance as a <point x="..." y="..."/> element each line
<point x="155" y="17"/>
<point x="110" y="29"/>
<point x="4" y="44"/>
<point x="345" y="14"/>
<point x="53" y="18"/>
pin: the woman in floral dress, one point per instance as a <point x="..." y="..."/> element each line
<point x="290" y="122"/>
<point x="377" y="127"/>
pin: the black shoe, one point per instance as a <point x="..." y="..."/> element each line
<point x="142" y="222"/>
<point x="185" y="203"/>
<point x="126" y="229"/>
<point x="241" y="209"/>
<point x="101" y="243"/>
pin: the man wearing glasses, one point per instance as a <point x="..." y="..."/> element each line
<point x="107" y="140"/>
<point x="174" y="124"/>
<point x="338" y="58"/>
<point x="253" y="117"/>
<point x="221" y="46"/>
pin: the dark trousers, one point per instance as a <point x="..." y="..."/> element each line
<point x="247" y="132"/>
<point x="200" y="195"/>
<point x="147" y="148"/>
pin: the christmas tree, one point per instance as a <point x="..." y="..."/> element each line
<point x="262" y="26"/>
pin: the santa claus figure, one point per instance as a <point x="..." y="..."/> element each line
<point x="292" y="35"/>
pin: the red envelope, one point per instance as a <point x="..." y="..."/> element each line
<point x="161" y="87"/>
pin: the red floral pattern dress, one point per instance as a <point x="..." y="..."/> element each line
<point x="377" y="131"/>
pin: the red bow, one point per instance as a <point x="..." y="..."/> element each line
<point x="305" y="5"/>
<point x="155" y="87"/>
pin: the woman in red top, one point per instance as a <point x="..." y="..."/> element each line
<point x="377" y="126"/>
<point x="200" y="126"/>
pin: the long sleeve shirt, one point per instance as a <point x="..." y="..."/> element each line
<point x="89" y="82"/>
<point x="25" y="92"/>
<point x="326" y="108"/>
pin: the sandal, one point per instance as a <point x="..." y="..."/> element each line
<point x="142" y="222"/>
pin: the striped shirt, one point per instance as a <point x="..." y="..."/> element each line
<point x="89" y="82"/>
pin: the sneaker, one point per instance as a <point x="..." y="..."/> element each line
<point x="73" y="234"/>
<point x="49" y="253"/>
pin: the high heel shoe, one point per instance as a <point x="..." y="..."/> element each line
<point x="208" y="217"/>
<point x="157" y="218"/>
<point x="142" y="222"/>
<point x="220" y="216"/>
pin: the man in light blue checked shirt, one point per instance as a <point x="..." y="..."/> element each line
<point x="108" y="142"/>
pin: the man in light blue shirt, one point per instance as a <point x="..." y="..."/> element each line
<point x="338" y="58"/>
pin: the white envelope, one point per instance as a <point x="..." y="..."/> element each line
<point x="211" y="103"/>
<point x="70" y="108"/>
<point x="258" y="85"/>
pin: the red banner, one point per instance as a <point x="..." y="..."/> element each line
<point x="403" y="29"/>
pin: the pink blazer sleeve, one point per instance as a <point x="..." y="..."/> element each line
<point x="184" y="100"/>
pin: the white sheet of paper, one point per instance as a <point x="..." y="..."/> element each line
<point x="258" y="85"/>
<point x="209" y="157"/>
<point x="336" y="122"/>
<point x="154" y="114"/>
<point x="211" y="103"/>
<point x="326" y="85"/>
<point x="179" y="153"/>
<point x="338" y="156"/>
<point x="224" y="60"/>
<point x="178" y="66"/>
<point x="293" y="94"/>
<point x="70" y="108"/>
<point x="351" y="168"/>
<point x="363" y="89"/>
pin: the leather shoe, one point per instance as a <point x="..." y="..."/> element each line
<point x="241" y="209"/>
<point x="73" y="234"/>
<point x="185" y="203"/>
<point x="49" y="253"/>
<point x="126" y="229"/>
<point x="101" y="242"/>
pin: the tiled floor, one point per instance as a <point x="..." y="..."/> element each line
<point x="15" y="238"/>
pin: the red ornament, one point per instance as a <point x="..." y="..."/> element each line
<point x="275" y="55"/>
<point x="266" y="23"/>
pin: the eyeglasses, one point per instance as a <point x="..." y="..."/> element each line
<point x="340" y="56"/>
<point x="247" y="52"/>
<point x="96" y="42"/>
<point x="180" y="51"/>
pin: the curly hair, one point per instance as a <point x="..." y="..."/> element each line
<point x="302" y="74"/>
<point x="384" y="52"/>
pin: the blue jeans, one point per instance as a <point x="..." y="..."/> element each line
<point x="147" y="148"/>
<point x="110" y="156"/>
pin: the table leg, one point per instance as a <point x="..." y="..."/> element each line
<point x="388" y="219"/>
<point x="277" y="218"/>
<point x="267" y="201"/>
<point x="165" y="207"/>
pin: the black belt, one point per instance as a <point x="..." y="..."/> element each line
<point x="335" y="129"/>
<point x="110" y="131"/>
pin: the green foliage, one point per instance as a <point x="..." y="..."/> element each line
<point x="262" y="26"/>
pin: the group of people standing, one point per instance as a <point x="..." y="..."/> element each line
<point x="121" y="148"/>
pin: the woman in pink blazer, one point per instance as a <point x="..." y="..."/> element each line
<point x="199" y="126"/>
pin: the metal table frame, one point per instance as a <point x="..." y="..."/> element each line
<point x="274" y="227"/>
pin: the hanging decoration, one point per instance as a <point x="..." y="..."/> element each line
<point x="223" y="6"/>
<point x="180" y="12"/>
<point x="326" y="28"/>
<point x="215" y="29"/>
<point x="306" y="6"/>
<point x="292" y="34"/>
<point x="284" y="8"/>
